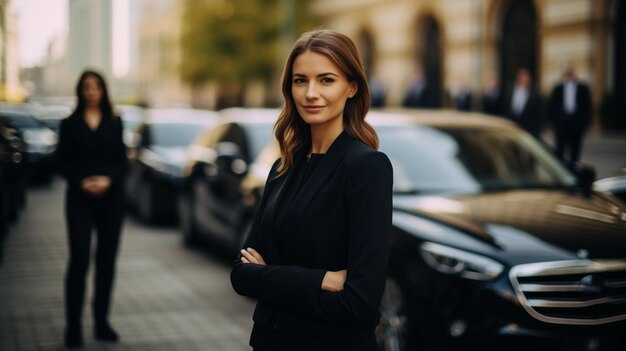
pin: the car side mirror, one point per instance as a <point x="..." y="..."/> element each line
<point x="586" y="176"/>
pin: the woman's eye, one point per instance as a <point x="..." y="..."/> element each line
<point x="327" y="80"/>
<point x="299" y="81"/>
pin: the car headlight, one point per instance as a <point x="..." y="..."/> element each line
<point x="453" y="261"/>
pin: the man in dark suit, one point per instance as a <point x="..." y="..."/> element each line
<point x="492" y="96"/>
<point x="419" y="94"/>
<point x="570" y="113"/>
<point x="524" y="104"/>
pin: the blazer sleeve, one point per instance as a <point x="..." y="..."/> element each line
<point x="368" y="202"/>
<point x="65" y="159"/>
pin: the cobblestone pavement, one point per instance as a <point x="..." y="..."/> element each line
<point x="166" y="297"/>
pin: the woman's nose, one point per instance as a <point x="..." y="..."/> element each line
<point x="311" y="91"/>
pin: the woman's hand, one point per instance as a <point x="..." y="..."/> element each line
<point x="96" y="185"/>
<point x="333" y="281"/>
<point x="250" y="255"/>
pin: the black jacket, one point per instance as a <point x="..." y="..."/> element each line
<point x="83" y="152"/>
<point x="531" y="117"/>
<point x="581" y="117"/>
<point x="341" y="219"/>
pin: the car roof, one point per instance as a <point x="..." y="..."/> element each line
<point x="436" y="118"/>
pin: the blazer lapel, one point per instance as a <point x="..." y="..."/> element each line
<point x="322" y="172"/>
<point x="272" y="210"/>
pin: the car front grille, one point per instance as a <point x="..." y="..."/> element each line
<point x="580" y="292"/>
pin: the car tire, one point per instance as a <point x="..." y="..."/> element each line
<point x="393" y="332"/>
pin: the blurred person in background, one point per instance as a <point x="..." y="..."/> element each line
<point x="92" y="158"/>
<point x="461" y="96"/>
<point x="570" y="113"/>
<point x="418" y="93"/>
<point x="316" y="255"/>
<point x="492" y="98"/>
<point x="378" y="92"/>
<point x="524" y="104"/>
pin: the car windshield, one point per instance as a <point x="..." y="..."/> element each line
<point x="174" y="134"/>
<point x="20" y="121"/>
<point x="259" y="135"/>
<point x="468" y="160"/>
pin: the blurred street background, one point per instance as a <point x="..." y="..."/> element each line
<point x="187" y="59"/>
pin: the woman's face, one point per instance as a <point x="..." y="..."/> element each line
<point x="92" y="91"/>
<point x="320" y="89"/>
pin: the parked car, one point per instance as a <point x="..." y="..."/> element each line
<point x="212" y="205"/>
<point x="40" y="142"/>
<point x="614" y="183"/>
<point x="131" y="116"/>
<point x="52" y="115"/>
<point x="12" y="176"/>
<point x="495" y="243"/>
<point x="159" y="155"/>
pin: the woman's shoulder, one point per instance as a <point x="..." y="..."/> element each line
<point x="359" y="153"/>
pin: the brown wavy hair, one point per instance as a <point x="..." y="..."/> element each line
<point x="291" y="131"/>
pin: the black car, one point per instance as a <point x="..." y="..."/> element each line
<point x="212" y="205"/>
<point x="495" y="243"/>
<point x="40" y="143"/>
<point x="614" y="183"/>
<point x="158" y="158"/>
<point x="12" y="176"/>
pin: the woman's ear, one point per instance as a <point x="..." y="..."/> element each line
<point x="353" y="89"/>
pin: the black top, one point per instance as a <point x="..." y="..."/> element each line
<point x="302" y="173"/>
<point x="84" y="152"/>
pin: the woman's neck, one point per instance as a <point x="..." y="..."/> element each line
<point x="322" y="136"/>
<point x="92" y="110"/>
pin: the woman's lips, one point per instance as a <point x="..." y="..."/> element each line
<point x="313" y="108"/>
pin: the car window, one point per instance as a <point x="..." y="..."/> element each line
<point x="259" y="135"/>
<point x="174" y="134"/>
<point x="428" y="159"/>
<point x="20" y="121"/>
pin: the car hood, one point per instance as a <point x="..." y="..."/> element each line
<point x="522" y="226"/>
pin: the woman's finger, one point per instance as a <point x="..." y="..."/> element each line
<point x="245" y="254"/>
<point x="244" y="260"/>
<point x="256" y="255"/>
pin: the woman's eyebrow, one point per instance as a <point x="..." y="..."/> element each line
<point x="319" y="75"/>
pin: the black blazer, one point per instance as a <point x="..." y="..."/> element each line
<point x="341" y="219"/>
<point x="83" y="152"/>
<point x="581" y="117"/>
<point x="531" y="117"/>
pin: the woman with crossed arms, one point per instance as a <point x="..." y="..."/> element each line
<point x="316" y="255"/>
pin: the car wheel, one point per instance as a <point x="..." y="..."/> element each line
<point x="187" y="221"/>
<point x="392" y="332"/>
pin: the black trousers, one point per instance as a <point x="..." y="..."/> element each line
<point x="569" y="138"/>
<point x="84" y="213"/>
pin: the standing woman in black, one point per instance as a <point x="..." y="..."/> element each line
<point x="316" y="255"/>
<point x="92" y="157"/>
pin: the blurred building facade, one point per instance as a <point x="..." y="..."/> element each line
<point x="466" y="40"/>
<point x="159" y="31"/>
<point x="10" y="87"/>
<point x="90" y="36"/>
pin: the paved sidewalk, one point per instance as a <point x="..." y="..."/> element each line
<point x="166" y="298"/>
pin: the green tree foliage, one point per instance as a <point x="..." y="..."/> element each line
<point x="233" y="41"/>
